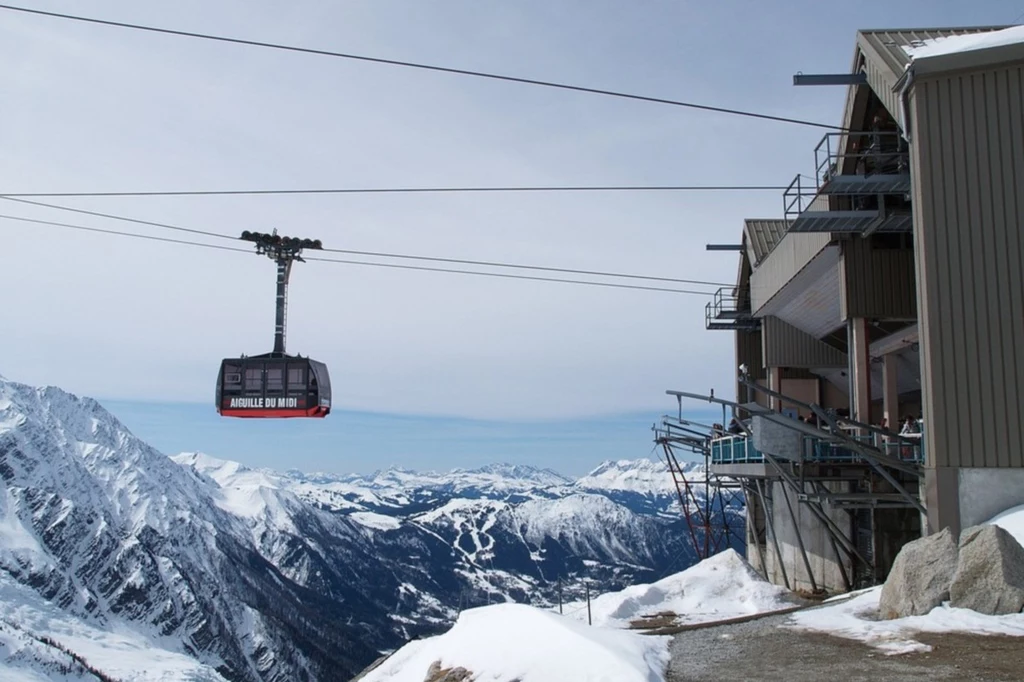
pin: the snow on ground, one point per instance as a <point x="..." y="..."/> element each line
<point x="1012" y="521"/>
<point x="966" y="43"/>
<point x="722" y="586"/>
<point x="375" y="520"/>
<point x="513" y="642"/>
<point x="856" y="618"/>
<point x="118" y="652"/>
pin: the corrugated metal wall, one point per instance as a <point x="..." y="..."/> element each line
<point x="783" y="345"/>
<point x="968" y="164"/>
<point x="748" y="352"/>
<point x="877" y="282"/>
<point x="787" y="259"/>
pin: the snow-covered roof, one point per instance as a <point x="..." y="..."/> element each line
<point x="892" y="51"/>
<point x="954" y="44"/>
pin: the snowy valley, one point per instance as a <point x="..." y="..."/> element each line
<point x="119" y="555"/>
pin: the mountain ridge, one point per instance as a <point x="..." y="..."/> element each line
<point x="263" y="575"/>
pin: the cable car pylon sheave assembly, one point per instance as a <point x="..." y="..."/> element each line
<point x="275" y="384"/>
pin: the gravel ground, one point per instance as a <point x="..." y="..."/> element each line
<point x="761" y="650"/>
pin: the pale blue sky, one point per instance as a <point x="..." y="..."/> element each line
<point x="361" y="442"/>
<point x="98" y="108"/>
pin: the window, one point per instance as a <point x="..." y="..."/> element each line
<point x="254" y="379"/>
<point x="232" y="379"/>
<point x="275" y="379"/>
<point x="296" y="379"/>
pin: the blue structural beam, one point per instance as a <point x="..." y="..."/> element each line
<point x="830" y="79"/>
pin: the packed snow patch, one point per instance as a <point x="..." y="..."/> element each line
<point x="935" y="47"/>
<point x="513" y="642"/>
<point x="1012" y="521"/>
<point x="857" y="618"/>
<point x="375" y="520"/>
<point x="722" y="586"/>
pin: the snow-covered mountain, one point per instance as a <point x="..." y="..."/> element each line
<point x="259" y="575"/>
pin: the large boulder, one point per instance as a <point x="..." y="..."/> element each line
<point x="990" y="576"/>
<point x="920" y="577"/>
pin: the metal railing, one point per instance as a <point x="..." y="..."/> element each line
<point x="730" y="309"/>
<point x="740" y="450"/>
<point x="869" y="153"/>
<point x="735" y="450"/>
<point x="797" y="197"/>
<point x="872" y="163"/>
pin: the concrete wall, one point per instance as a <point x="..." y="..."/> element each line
<point x="776" y="439"/>
<point x="823" y="560"/>
<point x="987" y="492"/>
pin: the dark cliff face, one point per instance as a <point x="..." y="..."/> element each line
<point x="283" y="579"/>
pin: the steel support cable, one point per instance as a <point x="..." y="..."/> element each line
<point x="404" y="190"/>
<point x="415" y="65"/>
<point x="136" y="235"/>
<point x="509" y="276"/>
<point x="376" y="254"/>
<point x="494" y="264"/>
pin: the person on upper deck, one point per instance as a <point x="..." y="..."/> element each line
<point x="910" y="426"/>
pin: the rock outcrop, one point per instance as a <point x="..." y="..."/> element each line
<point x="921" y="576"/>
<point x="990" y="574"/>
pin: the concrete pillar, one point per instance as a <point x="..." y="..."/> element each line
<point x="860" y="370"/>
<point x="942" y="499"/>
<point x="775" y="384"/>
<point x="890" y="392"/>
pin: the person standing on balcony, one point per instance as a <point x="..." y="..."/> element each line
<point x="910" y="426"/>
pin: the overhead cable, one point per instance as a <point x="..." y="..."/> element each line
<point x="406" y="190"/>
<point x="376" y="254"/>
<point x="493" y="264"/>
<point x="122" y="234"/>
<point x="415" y="65"/>
<point x="136" y="235"/>
<point x="112" y="216"/>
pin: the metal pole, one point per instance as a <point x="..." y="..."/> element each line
<point x="590" y="620"/>
<point x="284" y="267"/>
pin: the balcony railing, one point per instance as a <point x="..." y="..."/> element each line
<point x="730" y="309"/>
<point x="740" y="450"/>
<point x="863" y="163"/>
<point x="735" y="450"/>
<point x="861" y="185"/>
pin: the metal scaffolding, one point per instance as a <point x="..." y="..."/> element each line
<point x="881" y="481"/>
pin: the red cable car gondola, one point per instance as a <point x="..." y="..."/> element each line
<point x="275" y="385"/>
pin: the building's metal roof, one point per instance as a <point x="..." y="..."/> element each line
<point x="887" y="44"/>
<point x="762" y="236"/>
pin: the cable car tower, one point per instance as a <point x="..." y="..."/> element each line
<point x="275" y="384"/>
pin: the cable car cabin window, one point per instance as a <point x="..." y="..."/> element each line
<point x="275" y="379"/>
<point x="254" y="379"/>
<point x="296" y="379"/>
<point x="232" y="378"/>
